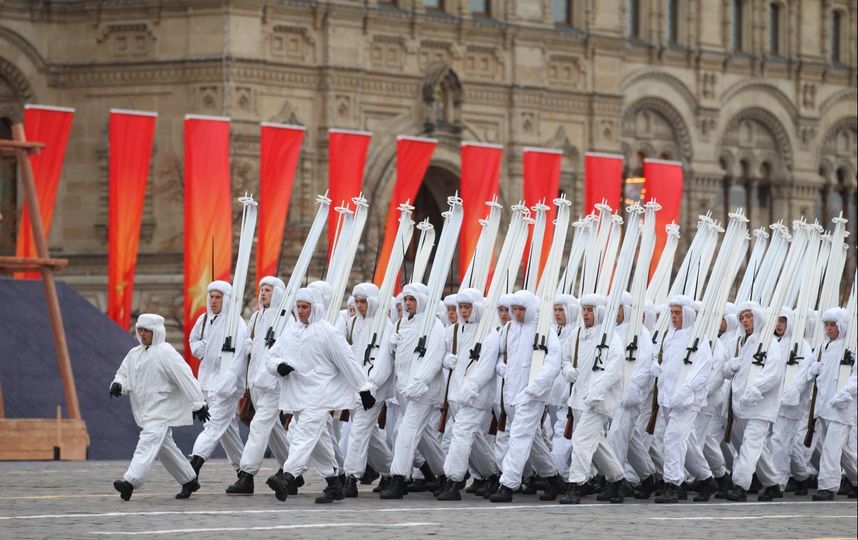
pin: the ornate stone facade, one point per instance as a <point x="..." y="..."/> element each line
<point x="759" y="104"/>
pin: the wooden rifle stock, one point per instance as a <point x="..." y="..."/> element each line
<point x="382" y="417"/>
<point x="287" y="421"/>
<point x="653" y="415"/>
<point x="493" y="426"/>
<point x="570" y="421"/>
<point x="344" y="416"/>
<point x="502" y="420"/>
<point x="728" y="431"/>
<point x="811" y="421"/>
<point x="445" y="406"/>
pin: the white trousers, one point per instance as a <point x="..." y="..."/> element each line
<point x="310" y="433"/>
<point x="561" y="447"/>
<point x="838" y="452"/>
<point x="788" y="455"/>
<point x="754" y="455"/>
<point x="681" y="448"/>
<point x="156" y="441"/>
<point x="709" y="431"/>
<point x="629" y="446"/>
<point x="265" y="430"/>
<point x="418" y="430"/>
<point x="526" y="441"/>
<point x="501" y="438"/>
<point x="221" y="428"/>
<point x="589" y="447"/>
<point x="468" y="444"/>
<point x="367" y="443"/>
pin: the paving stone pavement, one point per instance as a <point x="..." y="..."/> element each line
<point x="60" y="500"/>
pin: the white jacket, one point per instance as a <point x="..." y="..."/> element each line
<point x="258" y="324"/>
<point x="359" y="333"/>
<point x="641" y="380"/>
<point x="520" y="347"/>
<point x="158" y="381"/>
<point x="479" y="387"/>
<point x="826" y="383"/>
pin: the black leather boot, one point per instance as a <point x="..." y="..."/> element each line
<point x="370" y="475"/>
<point x="242" y="486"/>
<point x="670" y="494"/>
<point x="725" y="483"/>
<point x="475" y="485"/>
<point x="450" y="492"/>
<point x="281" y="485"/>
<point x="800" y="488"/>
<point x="571" y="496"/>
<point x="502" y="495"/>
<point x="333" y="492"/>
<point x="737" y="494"/>
<point x="645" y="488"/>
<point x="440" y="482"/>
<point x="618" y="489"/>
<point x="395" y="488"/>
<point x="188" y="488"/>
<point x="608" y="492"/>
<point x="770" y="493"/>
<point x="706" y="489"/>
<point x="350" y="489"/>
<point x="381" y="484"/>
<point x="197" y="463"/>
<point x="490" y="487"/>
<point x="124" y="488"/>
<point x="555" y="487"/>
<point x="823" y="495"/>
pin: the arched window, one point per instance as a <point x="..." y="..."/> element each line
<point x="673" y="21"/>
<point x="737" y="29"/>
<point x="774" y="29"/>
<point x="836" y="45"/>
<point x="634" y="15"/>
<point x="762" y="202"/>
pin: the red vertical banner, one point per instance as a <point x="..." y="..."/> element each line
<point x="663" y="183"/>
<point x="481" y="165"/>
<point x="346" y="161"/>
<point x="542" y="183"/>
<point x="603" y="179"/>
<point x="131" y="136"/>
<point x="208" y="214"/>
<point x="280" y="147"/>
<point x="51" y="126"/>
<point x="413" y="155"/>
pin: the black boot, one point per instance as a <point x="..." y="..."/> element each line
<point x="619" y="488"/>
<point x="124" y="488"/>
<point x="853" y="494"/>
<point x="350" y="489"/>
<point x="430" y="481"/>
<point x="823" y="495"/>
<point x="571" y="496"/>
<point x="608" y="492"/>
<point x="845" y="487"/>
<point x="791" y="485"/>
<point x="281" y="485"/>
<point x="737" y="494"/>
<point x="812" y="482"/>
<point x="670" y="494"/>
<point x="756" y="485"/>
<point x="188" y="488"/>
<point x="800" y="488"/>
<point x="555" y="487"/>
<point x="502" y="495"/>
<point x="450" y="492"/>
<point x="295" y="484"/>
<point x="725" y="483"/>
<point x="197" y="464"/>
<point x="706" y="489"/>
<point x="491" y="485"/>
<point x="334" y="491"/>
<point x="381" y="484"/>
<point x="395" y="488"/>
<point x="528" y="486"/>
<point x="242" y="486"/>
<point x="441" y="481"/>
<point x="770" y="493"/>
<point x="645" y="488"/>
<point x="475" y="485"/>
<point x="370" y="475"/>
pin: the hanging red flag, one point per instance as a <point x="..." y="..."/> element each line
<point x="603" y="179"/>
<point x="208" y="214"/>
<point x="481" y="165"/>
<point x="663" y="184"/>
<point x="51" y="126"/>
<point x="346" y="160"/>
<point x="280" y="146"/>
<point x="412" y="159"/>
<point x="542" y="183"/>
<point x="131" y="136"/>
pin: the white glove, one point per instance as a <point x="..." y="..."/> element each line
<point x="533" y="389"/>
<point x="450" y="361"/>
<point x="467" y="395"/>
<point x="501" y="369"/>
<point x="570" y="374"/>
<point x="395" y="339"/>
<point x="634" y="397"/>
<point x="655" y="370"/>
<point x="840" y="400"/>
<point x="735" y="364"/>
<point x="815" y="368"/>
<point x="416" y="390"/>
<point x="751" y="397"/>
<point x="791" y="397"/>
<point x="368" y="387"/>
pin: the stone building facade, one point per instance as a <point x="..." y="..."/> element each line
<point x="756" y="98"/>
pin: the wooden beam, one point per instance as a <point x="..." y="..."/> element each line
<point x="24" y="264"/>
<point x="51" y="298"/>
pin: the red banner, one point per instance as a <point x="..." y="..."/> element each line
<point x="603" y="179"/>
<point x="412" y="159"/>
<point x="51" y="126"/>
<point x="481" y="165"/>
<point x="542" y="183"/>
<point x="346" y="160"/>
<point x="280" y="146"/>
<point x="208" y="214"/>
<point x="664" y="185"/>
<point x="131" y="137"/>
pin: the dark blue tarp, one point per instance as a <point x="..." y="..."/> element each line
<point x="30" y="376"/>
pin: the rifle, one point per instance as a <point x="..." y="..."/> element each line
<point x="653" y="417"/>
<point x="493" y="426"/>
<point x="811" y="421"/>
<point x="445" y="406"/>
<point x="382" y="417"/>
<point x="570" y="417"/>
<point x="502" y="417"/>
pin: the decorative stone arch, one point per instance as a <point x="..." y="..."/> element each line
<point x="837" y="175"/>
<point x="769" y="90"/>
<point x="442" y="96"/>
<point x="771" y="125"/>
<point x="15" y="90"/>
<point x="840" y="146"/>
<point x="666" y="120"/>
<point x="646" y="75"/>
